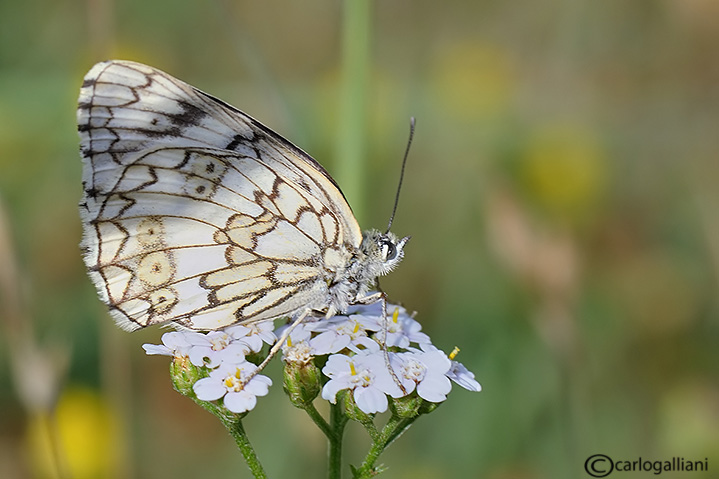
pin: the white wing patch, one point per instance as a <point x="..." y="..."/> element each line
<point x="286" y="241"/>
<point x="195" y="213"/>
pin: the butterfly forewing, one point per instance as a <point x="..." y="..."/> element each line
<point x="194" y="212"/>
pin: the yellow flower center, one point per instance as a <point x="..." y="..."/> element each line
<point x="234" y="382"/>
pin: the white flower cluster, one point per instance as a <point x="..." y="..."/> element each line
<point x="224" y="353"/>
<point x="356" y="359"/>
<point x="358" y="363"/>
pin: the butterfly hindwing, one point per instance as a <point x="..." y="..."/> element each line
<point x="193" y="212"/>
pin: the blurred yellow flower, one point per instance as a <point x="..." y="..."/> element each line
<point x="86" y="436"/>
<point x="564" y="170"/>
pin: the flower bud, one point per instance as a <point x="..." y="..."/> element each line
<point x="301" y="382"/>
<point x="407" y="406"/>
<point x="184" y="374"/>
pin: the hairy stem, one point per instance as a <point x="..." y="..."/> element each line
<point x="338" y="421"/>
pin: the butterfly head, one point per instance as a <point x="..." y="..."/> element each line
<point x="383" y="252"/>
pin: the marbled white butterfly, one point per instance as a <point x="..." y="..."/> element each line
<point x="194" y="213"/>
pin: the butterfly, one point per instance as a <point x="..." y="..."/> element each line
<point x="196" y="214"/>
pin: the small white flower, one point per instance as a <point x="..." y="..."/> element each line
<point x="301" y="332"/>
<point x="174" y="343"/>
<point x="462" y="376"/>
<point x="366" y="375"/>
<point x="297" y="347"/>
<point x="227" y="382"/>
<point x="255" y="334"/>
<point x="299" y="353"/>
<point x="215" y="347"/>
<point x="340" y="332"/>
<point x="425" y="370"/>
<point x="402" y="329"/>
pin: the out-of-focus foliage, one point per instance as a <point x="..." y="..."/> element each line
<point x="562" y="195"/>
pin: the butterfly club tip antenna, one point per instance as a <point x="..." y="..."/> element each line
<point x="401" y="174"/>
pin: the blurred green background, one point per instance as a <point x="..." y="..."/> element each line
<point x="561" y="194"/>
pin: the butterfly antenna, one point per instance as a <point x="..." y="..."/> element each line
<point x="401" y="175"/>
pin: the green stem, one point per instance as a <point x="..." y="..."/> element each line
<point x="338" y="421"/>
<point x="352" y="134"/>
<point x="399" y="429"/>
<point x="234" y="426"/>
<point x="319" y="420"/>
<point x="391" y="431"/>
<point x="369" y="426"/>
<point x="184" y="375"/>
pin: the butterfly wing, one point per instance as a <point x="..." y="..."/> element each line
<point x="196" y="213"/>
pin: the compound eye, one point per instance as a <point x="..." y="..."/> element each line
<point x="389" y="251"/>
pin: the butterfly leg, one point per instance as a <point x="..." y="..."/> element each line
<point x="373" y="298"/>
<point x="278" y="345"/>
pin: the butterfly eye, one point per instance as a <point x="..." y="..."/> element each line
<point x="389" y="251"/>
